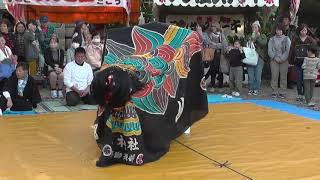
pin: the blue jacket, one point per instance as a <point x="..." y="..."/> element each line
<point x="6" y="70"/>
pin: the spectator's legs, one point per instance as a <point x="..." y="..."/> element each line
<point x="251" y="77"/>
<point x="283" y="76"/>
<point x="216" y="69"/>
<point x="20" y="104"/>
<point x="312" y="85"/>
<point x="275" y="68"/>
<point x="60" y="81"/>
<point x="258" y="73"/>
<point x="220" y="79"/>
<point x="245" y="71"/>
<point x="232" y="77"/>
<point x="289" y="80"/>
<point x="210" y="73"/>
<point x="72" y="98"/>
<point x="53" y="80"/>
<point x="307" y="90"/>
<point x="238" y="78"/>
<point x="88" y="99"/>
<point x="206" y="64"/>
<point x="299" y="80"/>
<point x="213" y="77"/>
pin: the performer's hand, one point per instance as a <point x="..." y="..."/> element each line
<point x="9" y="103"/>
<point x="100" y="110"/>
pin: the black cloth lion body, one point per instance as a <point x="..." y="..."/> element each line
<point x="150" y="92"/>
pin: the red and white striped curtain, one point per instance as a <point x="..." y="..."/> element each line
<point x="17" y="11"/>
<point x="294" y="8"/>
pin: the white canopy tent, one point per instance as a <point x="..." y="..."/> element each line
<point x="230" y="13"/>
<point x="217" y="3"/>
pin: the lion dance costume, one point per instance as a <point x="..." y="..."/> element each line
<point x="150" y="92"/>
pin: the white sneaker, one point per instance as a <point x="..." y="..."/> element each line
<point x="0" y="112"/>
<point x="311" y="104"/>
<point x="60" y="94"/>
<point x="237" y="94"/>
<point x="54" y="94"/>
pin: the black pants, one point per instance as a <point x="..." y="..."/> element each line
<point x="74" y="99"/>
<point x="19" y="104"/>
<point x="214" y="70"/>
<point x="290" y="82"/>
<point x="2" y="83"/>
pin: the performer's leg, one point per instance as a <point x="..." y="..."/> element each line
<point x="103" y="136"/>
<point x="220" y="80"/>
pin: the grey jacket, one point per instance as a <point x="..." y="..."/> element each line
<point x="272" y="52"/>
<point x="214" y="43"/>
<point x="32" y="47"/>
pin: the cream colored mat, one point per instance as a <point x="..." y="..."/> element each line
<point x="258" y="142"/>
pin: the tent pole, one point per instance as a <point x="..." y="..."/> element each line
<point x="128" y="20"/>
<point x="104" y="44"/>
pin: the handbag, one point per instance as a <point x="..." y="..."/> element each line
<point x="224" y="64"/>
<point x="207" y="54"/>
<point x="251" y="55"/>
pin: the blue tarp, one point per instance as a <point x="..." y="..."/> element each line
<point x="292" y="109"/>
<point x="219" y="98"/>
<point x="13" y="113"/>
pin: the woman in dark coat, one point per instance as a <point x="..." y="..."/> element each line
<point x="18" y="39"/>
<point x="298" y="52"/>
<point x="54" y="58"/>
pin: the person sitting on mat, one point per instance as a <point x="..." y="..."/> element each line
<point x="20" y="92"/>
<point x="8" y="62"/>
<point x="78" y="76"/>
<point x="7" y="67"/>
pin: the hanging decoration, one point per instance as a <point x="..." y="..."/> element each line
<point x="294" y="8"/>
